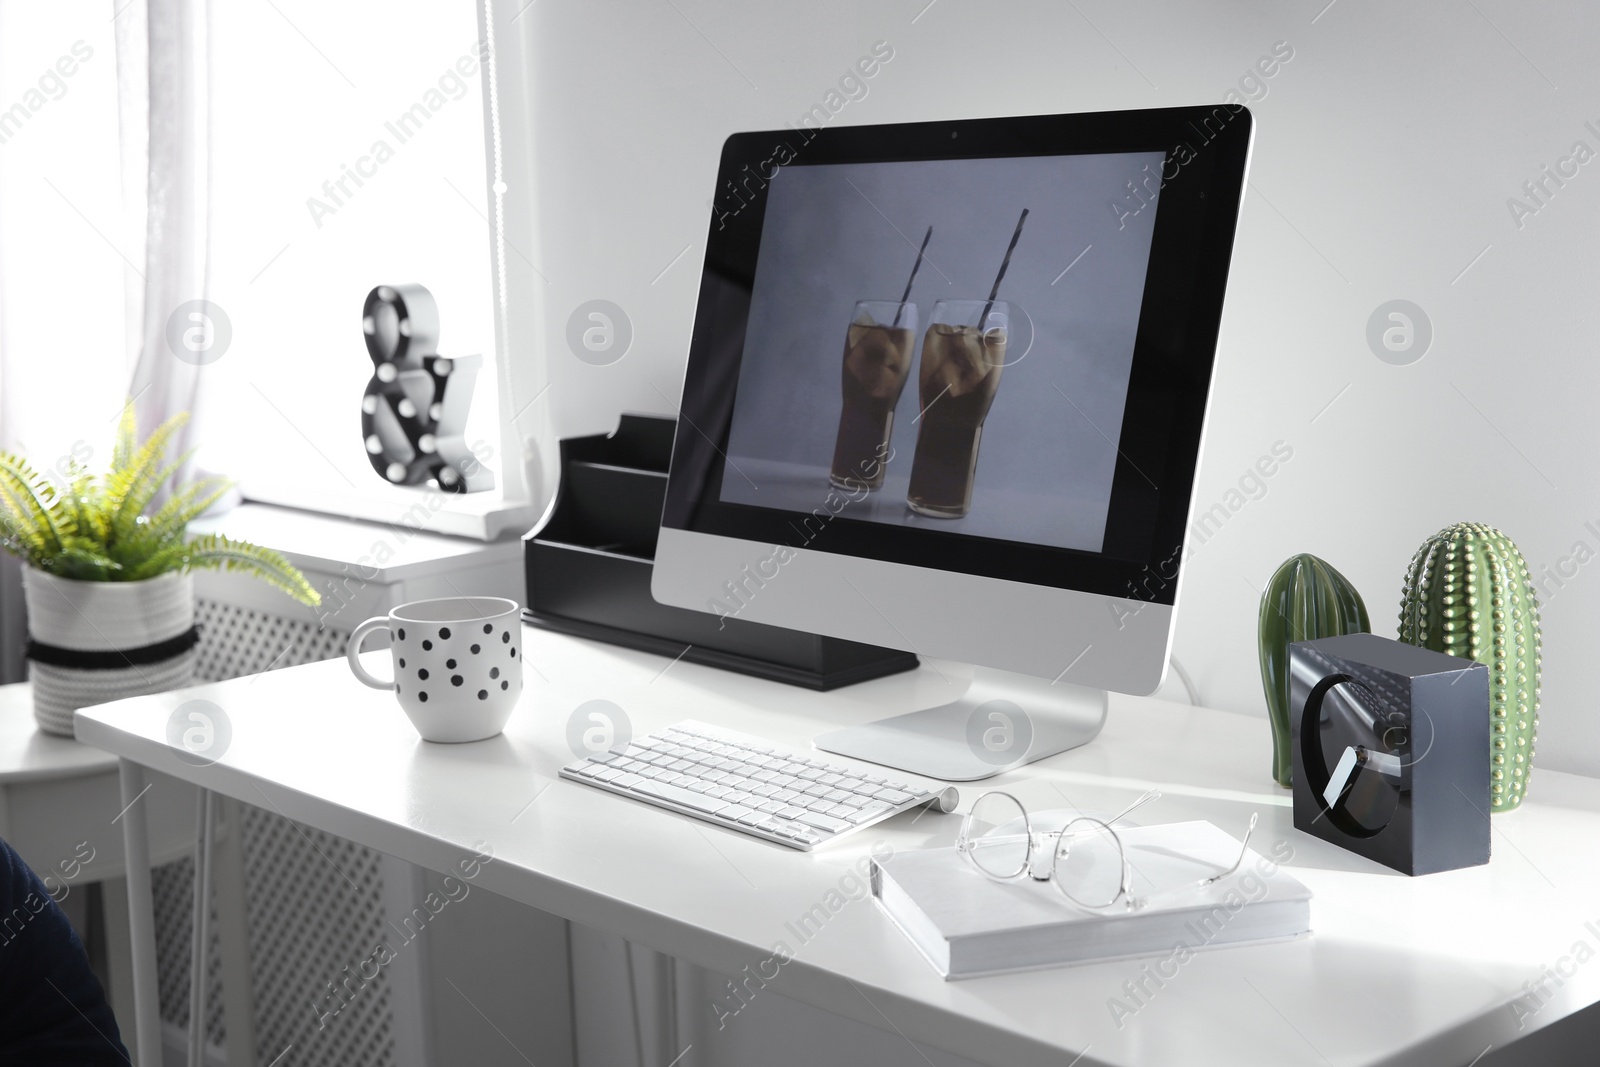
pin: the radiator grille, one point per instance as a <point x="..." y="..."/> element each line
<point x="314" y="902"/>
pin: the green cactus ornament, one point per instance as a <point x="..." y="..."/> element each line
<point x="1468" y="593"/>
<point x="1305" y="599"/>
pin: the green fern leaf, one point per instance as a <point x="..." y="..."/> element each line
<point x="80" y="560"/>
<point x="19" y="518"/>
<point x="131" y="521"/>
<point x="32" y="496"/>
<point x="157" y="561"/>
<point x="185" y="505"/>
<point x="127" y="438"/>
<point x="216" y="552"/>
<point x="144" y="475"/>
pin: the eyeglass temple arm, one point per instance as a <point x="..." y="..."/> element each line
<point x="1244" y="846"/>
<point x="1149" y="795"/>
<point x="1177" y="891"/>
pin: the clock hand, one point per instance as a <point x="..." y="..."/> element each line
<point x="1354" y="758"/>
<point x="1340" y="778"/>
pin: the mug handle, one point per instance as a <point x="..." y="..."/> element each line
<point x="353" y="652"/>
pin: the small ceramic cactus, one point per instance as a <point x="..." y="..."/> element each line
<point x="1306" y="598"/>
<point x="1468" y="593"/>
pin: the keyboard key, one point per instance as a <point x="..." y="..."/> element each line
<point x="604" y="757"/>
<point x="823" y="822"/>
<point x="685" y="797"/>
<point x="628" y="781"/>
<point x="895" y="796"/>
<point x="734" y="812"/>
<point x="787" y="812"/>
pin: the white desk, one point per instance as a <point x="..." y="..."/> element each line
<point x="1405" y="970"/>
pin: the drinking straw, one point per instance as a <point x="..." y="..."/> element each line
<point x="1004" y="263"/>
<point x="907" y="294"/>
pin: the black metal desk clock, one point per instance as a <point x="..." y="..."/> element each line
<point x="1391" y="751"/>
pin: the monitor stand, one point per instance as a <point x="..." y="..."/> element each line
<point x="1005" y="720"/>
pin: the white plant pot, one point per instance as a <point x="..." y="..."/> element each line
<point x="101" y="617"/>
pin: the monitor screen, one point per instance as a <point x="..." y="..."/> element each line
<point x="944" y="410"/>
<point x="1031" y="410"/>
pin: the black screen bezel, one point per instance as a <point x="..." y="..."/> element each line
<point x="1205" y="154"/>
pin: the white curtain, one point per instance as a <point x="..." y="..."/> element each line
<point x="163" y="75"/>
<point x="63" y="246"/>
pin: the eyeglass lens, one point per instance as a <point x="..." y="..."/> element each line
<point x="1089" y="863"/>
<point x="996" y="835"/>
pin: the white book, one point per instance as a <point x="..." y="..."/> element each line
<point x="968" y="925"/>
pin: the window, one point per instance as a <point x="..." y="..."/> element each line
<point x="347" y="151"/>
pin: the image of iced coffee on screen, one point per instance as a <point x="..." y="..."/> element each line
<point x="877" y="361"/>
<point x="963" y="355"/>
<point x="878" y="349"/>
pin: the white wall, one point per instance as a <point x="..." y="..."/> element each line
<point x="1386" y="151"/>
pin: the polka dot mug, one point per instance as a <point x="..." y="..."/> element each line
<point x="457" y="664"/>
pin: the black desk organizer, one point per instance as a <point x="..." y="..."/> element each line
<point x="588" y="573"/>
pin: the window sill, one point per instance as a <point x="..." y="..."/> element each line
<point x="479" y="516"/>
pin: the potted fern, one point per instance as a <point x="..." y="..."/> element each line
<point x="108" y="573"/>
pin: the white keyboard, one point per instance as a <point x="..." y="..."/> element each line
<point x="743" y="783"/>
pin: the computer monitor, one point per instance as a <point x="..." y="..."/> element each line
<point x="946" y="392"/>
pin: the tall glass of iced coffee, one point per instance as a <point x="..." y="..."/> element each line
<point x="963" y="353"/>
<point x="878" y="349"/>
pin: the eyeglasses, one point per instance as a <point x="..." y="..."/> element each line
<point x="1085" y="859"/>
